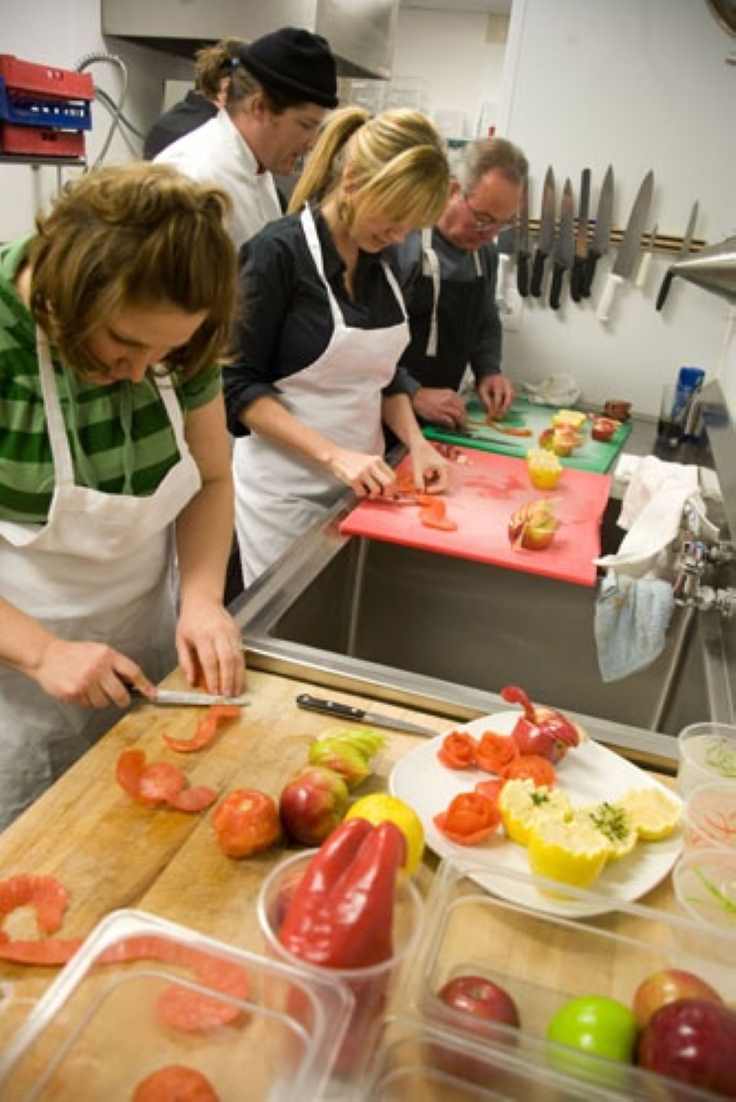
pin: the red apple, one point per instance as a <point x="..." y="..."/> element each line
<point x="533" y="525"/>
<point x="480" y="997"/>
<point x="665" y="987"/>
<point x="312" y="804"/>
<point x="603" y="428"/>
<point x="693" y="1041"/>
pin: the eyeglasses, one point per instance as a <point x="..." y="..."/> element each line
<point x="485" y="223"/>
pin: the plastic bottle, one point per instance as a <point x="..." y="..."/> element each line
<point x="689" y="382"/>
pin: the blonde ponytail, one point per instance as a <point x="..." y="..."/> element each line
<point x="325" y="162"/>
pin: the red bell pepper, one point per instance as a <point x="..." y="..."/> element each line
<point x="340" y="914"/>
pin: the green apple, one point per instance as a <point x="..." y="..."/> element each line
<point x="595" y="1025"/>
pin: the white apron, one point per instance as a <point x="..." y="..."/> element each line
<point x="278" y="494"/>
<point x="99" y="570"/>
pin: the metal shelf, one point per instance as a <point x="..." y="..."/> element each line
<point x="22" y="159"/>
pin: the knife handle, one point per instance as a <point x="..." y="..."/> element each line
<point x="642" y="274"/>
<point x="522" y="273"/>
<point x="607" y="298"/>
<point x="537" y="273"/>
<point x="577" y="278"/>
<point x="329" y="707"/>
<point x="554" y="295"/>
<point x="593" y="258"/>
<point x="664" y="289"/>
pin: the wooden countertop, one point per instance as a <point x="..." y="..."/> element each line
<point x="110" y="852"/>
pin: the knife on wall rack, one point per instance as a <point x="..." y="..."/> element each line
<point x="601" y="233"/>
<point x="630" y="247"/>
<point x="564" y="249"/>
<point x="683" y="251"/>
<point x="522" y="242"/>
<point x="580" y="263"/>
<point x="546" y="233"/>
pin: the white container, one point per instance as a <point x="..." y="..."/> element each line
<point x="707" y="752"/>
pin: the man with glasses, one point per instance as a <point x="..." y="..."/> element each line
<point x="449" y="274"/>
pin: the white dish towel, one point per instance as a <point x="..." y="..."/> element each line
<point x="651" y="512"/>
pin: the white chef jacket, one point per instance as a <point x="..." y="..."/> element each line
<point x="216" y="153"/>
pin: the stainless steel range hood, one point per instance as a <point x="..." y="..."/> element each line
<point x="360" y="32"/>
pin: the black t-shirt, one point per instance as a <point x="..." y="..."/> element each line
<point x="189" y="114"/>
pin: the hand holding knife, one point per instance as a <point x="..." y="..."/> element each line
<point x="546" y="233"/>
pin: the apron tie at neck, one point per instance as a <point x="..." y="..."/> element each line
<point x="82" y="463"/>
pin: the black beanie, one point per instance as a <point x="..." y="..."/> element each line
<point x="295" y="61"/>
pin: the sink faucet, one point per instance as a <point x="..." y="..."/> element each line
<point x="696" y="555"/>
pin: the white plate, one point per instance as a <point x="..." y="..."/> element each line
<point x="588" y="774"/>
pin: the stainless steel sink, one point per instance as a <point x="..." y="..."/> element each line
<point x="445" y="634"/>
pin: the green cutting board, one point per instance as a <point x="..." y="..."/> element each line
<point x="593" y="455"/>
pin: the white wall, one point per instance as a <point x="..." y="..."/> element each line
<point x="61" y="32"/>
<point x="641" y="85"/>
<point x="453" y="54"/>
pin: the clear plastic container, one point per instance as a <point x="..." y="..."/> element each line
<point x="103" y="1027"/>
<point x="707" y="752"/>
<point x="705" y="887"/>
<point x="543" y="960"/>
<point x="372" y="987"/>
<point x="709" y="816"/>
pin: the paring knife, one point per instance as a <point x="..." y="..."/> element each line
<point x="682" y="252"/>
<point x="579" y="264"/>
<point x="546" y="233"/>
<point x="646" y="260"/>
<point x="360" y="715"/>
<point x="630" y="248"/>
<point x="173" y="696"/>
<point x="602" y="232"/>
<point x="564" y="249"/>
<point x="522" y="243"/>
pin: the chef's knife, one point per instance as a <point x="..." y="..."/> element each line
<point x="564" y="246"/>
<point x="360" y="715"/>
<point x="546" y="233"/>
<point x="505" y="247"/>
<point x="646" y="260"/>
<point x="602" y="232"/>
<point x="683" y="251"/>
<point x="522" y="242"/>
<point x="630" y="247"/>
<point x="173" y="696"/>
<point x="579" y="264"/>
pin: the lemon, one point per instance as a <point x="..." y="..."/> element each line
<point x="615" y="824"/>
<point x="653" y="813"/>
<point x="572" y="417"/>
<point x="521" y="802"/>
<point x="380" y="808"/>
<point x="570" y="850"/>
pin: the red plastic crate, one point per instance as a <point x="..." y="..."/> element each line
<point x="46" y="79"/>
<point x="36" y="141"/>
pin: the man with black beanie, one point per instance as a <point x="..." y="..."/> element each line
<point x="281" y="86"/>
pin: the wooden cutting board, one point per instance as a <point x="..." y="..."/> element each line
<point x="484" y="492"/>
<point x="592" y="455"/>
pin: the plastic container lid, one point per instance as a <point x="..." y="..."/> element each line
<point x="142" y="994"/>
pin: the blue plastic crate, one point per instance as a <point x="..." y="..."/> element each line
<point x="24" y="109"/>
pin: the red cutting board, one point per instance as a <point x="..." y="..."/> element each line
<point x="484" y="492"/>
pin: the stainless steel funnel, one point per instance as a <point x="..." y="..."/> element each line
<point x="714" y="269"/>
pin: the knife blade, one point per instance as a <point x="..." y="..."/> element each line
<point x="174" y="696"/>
<point x="522" y="242"/>
<point x="505" y="248"/>
<point x="564" y="249"/>
<point x="630" y="247"/>
<point x="360" y="715"/>
<point x="546" y="233"/>
<point x="646" y="260"/>
<point x="579" y="264"/>
<point x="682" y="252"/>
<point x="602" y="232"/>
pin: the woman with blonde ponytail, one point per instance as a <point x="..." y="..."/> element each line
<point x="314" y="372"/>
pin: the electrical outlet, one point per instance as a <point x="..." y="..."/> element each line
<point x="511" y="310"/>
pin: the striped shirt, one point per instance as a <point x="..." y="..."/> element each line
<point x="119" y="434"/>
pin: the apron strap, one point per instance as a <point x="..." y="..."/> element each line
<point x="394" y="285"/>
<point x="170" y="399"/>
<point x="478" y="266"/>
<point x="310" y="233"/>
<point x="431" y="268"/>
<point x="60" y="450"/>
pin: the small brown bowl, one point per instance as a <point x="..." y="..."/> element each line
<point x="617" y="409"/>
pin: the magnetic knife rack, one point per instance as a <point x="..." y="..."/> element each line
<point x="662" y="242"/>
